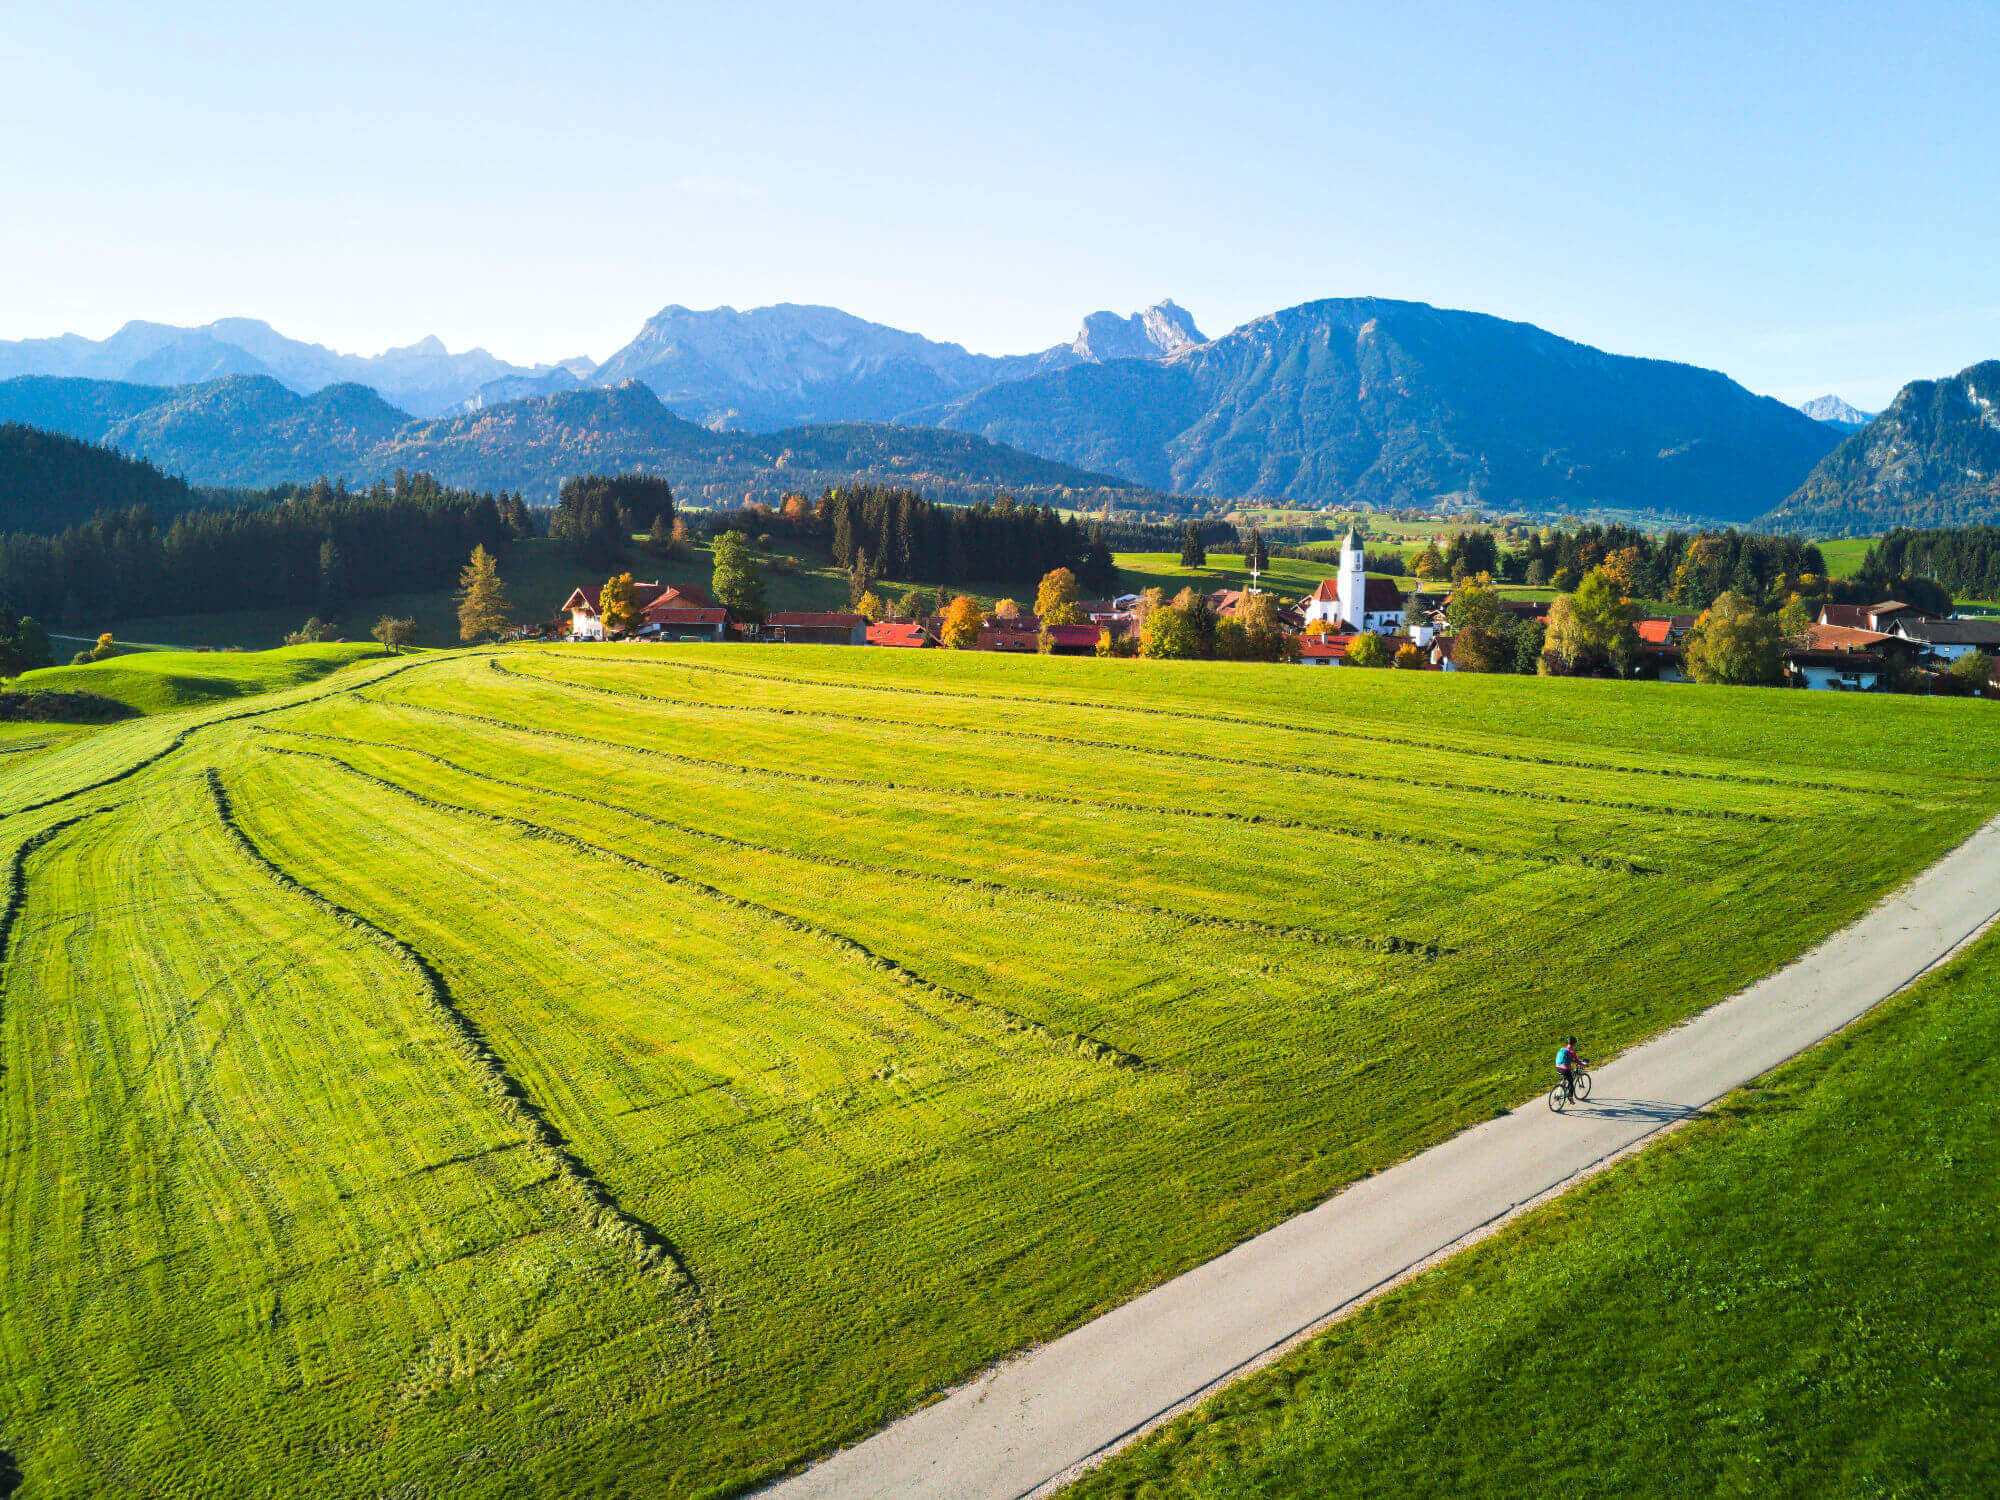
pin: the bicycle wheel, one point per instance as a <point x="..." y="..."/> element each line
<point x="1582" y="1084"/>
<point x="1558" y="1100"/>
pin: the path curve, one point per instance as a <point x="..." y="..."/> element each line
<point x="1029" y="1423"/>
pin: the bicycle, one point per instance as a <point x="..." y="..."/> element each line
<point x="1575" y="1091"/>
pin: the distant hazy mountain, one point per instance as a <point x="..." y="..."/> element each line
<point x="49" y="480"/>
<point x="424" y="377"/>
<point x="1399" y="402"/>
<point x="1931" y="459"/>
<point x="776" y="366"/>
<point x="1836" y="413"/>
<point x="249" y="431"/>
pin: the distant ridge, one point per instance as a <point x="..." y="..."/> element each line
<point x="49" y="480"/>
<point x="248" y="431"/>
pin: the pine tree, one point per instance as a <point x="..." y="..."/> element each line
<point x="332" y="597"/>
<point x="1193" y="553"/>
<point x="483" y="608"/>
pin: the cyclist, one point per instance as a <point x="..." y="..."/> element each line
<point x="1568" y="1060"/>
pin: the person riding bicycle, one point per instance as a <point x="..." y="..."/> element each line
<point x="1568" y="1061"/>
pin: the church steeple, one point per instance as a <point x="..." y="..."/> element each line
<point x="1353" y="581"/>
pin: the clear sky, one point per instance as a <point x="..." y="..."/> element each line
<point x="1804" y="196"/>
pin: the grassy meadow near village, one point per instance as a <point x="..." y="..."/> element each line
<point x="695" y="804"/>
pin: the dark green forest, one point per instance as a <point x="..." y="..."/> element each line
<point x="48" y="481"/>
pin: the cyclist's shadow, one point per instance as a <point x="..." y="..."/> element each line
<point x="1658" y="1111"/>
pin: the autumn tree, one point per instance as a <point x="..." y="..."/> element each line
<point x="960" y="627"/>
<point x="736" y="583"/>
<point x="1181" y="631"/>
<point x="1589" y="630"/>
<point x="870" y="607"/>
<point x="1734" y="642"/>
<point x="1430" y="564"/>
<point x="660" y="536"/>
<point x="483" y="606"/>
<point x="1482" y="640"/>
<point x="1409" y="658"/>
<point x="618" y="605"/>
<point x="1264" y="635"/>
<point x="1006" y="609"/>
<point x="394" y="632"/>
<point x="1367" y="650"/>
<point x="1057" y="598"/>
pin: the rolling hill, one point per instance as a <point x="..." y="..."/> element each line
<point x="509" y="1071"/>
<point x="249" y="431"/>
<point x="1931" y="459"/>
<point x="1396" y="403"/>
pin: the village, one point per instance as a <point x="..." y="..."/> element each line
<point x="1350" y="619"/>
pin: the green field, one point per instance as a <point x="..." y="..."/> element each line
<point x="590" y="1071"/>
<point x="1844" y="555"/>
<point x="160" y="681"/>
<point x="1793" y="1296"/>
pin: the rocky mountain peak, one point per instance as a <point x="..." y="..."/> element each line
<point x="1162" y="330"/>
<point x="1836" y="413"/>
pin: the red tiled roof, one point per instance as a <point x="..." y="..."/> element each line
<point x="1654" y="632"/>
<point x="1381" y="594"/>
<point x="646" y="595"/>
<point x="676" y="614"/>
<point x="1327" y="592"/>
<point x="1073" y="635"/>
<point x="898" y="633"/>
<point x="1841" y="638"/>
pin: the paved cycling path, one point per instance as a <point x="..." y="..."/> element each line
<point x="1024" y="1425"/>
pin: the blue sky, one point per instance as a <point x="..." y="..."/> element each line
<point x="1804" y="196"/>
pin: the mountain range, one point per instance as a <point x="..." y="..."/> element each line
<point x="763" y="369"/>
<point x="1332" y="402"/>
<point x="1932" y="458"/>
<point x="250" y="432"/>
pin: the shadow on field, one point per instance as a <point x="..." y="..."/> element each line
<point x="1657" y="1110"/>
<point x="10" y="1473"/>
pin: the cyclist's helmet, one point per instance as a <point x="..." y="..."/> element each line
<point x="1571" y="1042"/>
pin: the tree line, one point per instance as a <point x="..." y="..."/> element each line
<point x="315" y="546"/>
<point x="1964" y="560"/>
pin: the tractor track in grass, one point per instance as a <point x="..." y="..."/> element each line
<point x="17" y="897"/>
<point x="1335" y="732"/>
<point x="1086" y="1047"/>
<point x="1049" y="799"/>
<point x="596" y="1205"/>
<point x="1249" y="926"/>
<point x="190" y="731"/>
<point x="1201" y="757"/>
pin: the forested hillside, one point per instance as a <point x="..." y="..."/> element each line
<point x="251" y="432"/>
<point x="1931" y="459"/>
<point x="315" y="547"/>
<point x="48" y="480"/>
<point x="1398" y="403"/>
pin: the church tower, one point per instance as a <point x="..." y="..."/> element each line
<point x="1353" y="581"/>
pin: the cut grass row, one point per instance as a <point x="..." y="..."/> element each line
<point x="799" y="991"/>
<point x="1791" y="1296"/>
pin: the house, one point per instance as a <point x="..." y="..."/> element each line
<point x="1352" y="599"/>
<point x="907" y="634"/>
<point x="812" y="628"/>
<point x="675" y="622"/>
<point x="1949" y="639"/>
<point x="1331" y="650"/>
<point x="1073" y="640"/>
<point x="1659" y="656"/>
<point x="1007" y="635"/>
<point x="1876" y="617"/>
<point x="1844" y="658"/>
<point x="655" y="600"/>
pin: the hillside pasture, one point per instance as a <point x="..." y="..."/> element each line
<point x="161" y="681"/>
<point x="636" y="1069"/>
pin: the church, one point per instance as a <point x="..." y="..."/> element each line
<point x="1352" y="601"/>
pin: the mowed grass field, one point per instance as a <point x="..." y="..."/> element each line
<point x="573" y="1070"/>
